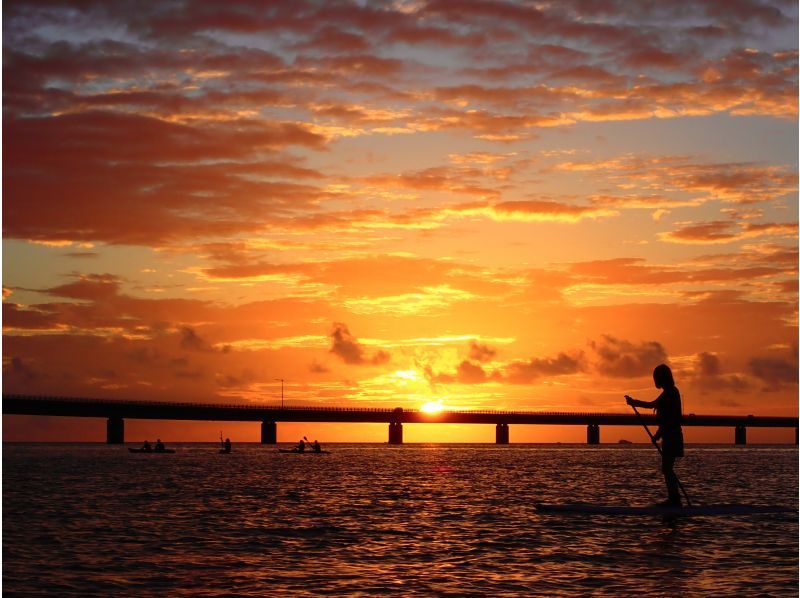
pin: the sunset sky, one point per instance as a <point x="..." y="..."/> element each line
<point x="490" y="205"/>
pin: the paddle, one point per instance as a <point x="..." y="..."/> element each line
<point x="309" y="442"/>
<point x="655" y="444"/>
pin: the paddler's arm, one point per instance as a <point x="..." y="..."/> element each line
<point x="638" y="403"/>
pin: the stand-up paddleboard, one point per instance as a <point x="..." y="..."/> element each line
<point x="694" y="510"/>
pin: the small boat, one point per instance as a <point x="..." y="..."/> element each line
<point x="307" y="452"/>
<point x="694" y="510"/>
<point x="141" y="450"/>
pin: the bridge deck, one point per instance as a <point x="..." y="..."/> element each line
<point x="127" y="409"/>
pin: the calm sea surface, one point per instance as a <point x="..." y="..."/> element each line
<point x="420" y="520"/>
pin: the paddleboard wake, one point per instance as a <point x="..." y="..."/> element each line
<point x="695" y="510"/>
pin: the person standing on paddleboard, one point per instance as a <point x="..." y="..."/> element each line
<point x="668" y="414"/>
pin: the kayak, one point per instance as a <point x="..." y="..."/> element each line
<point x="141" y="450"/>
<point x="694" y="510"/>
<point x="295" y="451"/>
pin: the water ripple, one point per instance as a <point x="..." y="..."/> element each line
<point x="412" y="521"/>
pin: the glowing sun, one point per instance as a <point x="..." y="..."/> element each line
<point x="432" y="407"/>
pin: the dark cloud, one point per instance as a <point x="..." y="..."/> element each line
<point x="470" y="373"/>
<point x="20" y="371"/>
<point x="348" y="349"/>
<point x="619" y="358"/>
<point x="775" y="372"/>
<point x="318" y="368"/>
<point x="94" y="287"/>
<point x="707" y="375"/>
<point x="191" y="341"/>
<point x="190" y="374"/>
<point x="482" y="353"/>
<point x="517" y="372"/>
<point x="526" y="372"/>
<point x="466" y="373"/>
<point x="17" y="316"/>
<point x="235" y="380"/>
<point x="708" y="365"/>
<point x="728" y="231"/>
<point x="635" y="271"/>
<point x="162" y="190"/>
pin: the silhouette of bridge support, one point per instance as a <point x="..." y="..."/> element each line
<point x="501" y="434"/>
<point x="115" y="430"/>
<point x="395" y="433"/>
<point x="740" y="436"/>
<point x="593" y="434"/>
<point x="269" y="432"/>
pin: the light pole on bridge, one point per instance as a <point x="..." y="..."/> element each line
<point x="281" y="379"/>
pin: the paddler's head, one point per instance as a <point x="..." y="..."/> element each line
<point x="662" y="376"/>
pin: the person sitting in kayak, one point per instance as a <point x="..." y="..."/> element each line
<point x="668" y="414"/>
<point x="301" y="446"/>
<point x="317" y="448"/>
<point x="146" y="447"/>
<point x="160" y="445"/>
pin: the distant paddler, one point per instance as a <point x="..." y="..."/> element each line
<point x="668" y="415"/>
<point x="225" y="446"/>
<point x="315" y="446"/>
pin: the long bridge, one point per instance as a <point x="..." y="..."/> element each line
<point x="117" y="411"/>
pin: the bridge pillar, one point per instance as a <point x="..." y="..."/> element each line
<point x="593" y="434"/>
<point x="501" y="434"/>
<point x="115" y="430"/>
<point x="395" y="433"/>
<point x="741" y="435"/>
<point x="269" y="432"/>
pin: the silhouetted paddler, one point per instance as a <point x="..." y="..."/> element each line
<point x="668" y="414"/>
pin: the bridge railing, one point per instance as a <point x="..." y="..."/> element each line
<point x="151" y="403"/>
<point x="321" y="408"/>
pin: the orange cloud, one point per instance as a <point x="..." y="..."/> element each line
<point x="546" y="211"/>
<point x="734" y="182"/>
<point x="727" y="232"/>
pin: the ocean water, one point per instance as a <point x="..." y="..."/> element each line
<point x="414" y="520"/>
